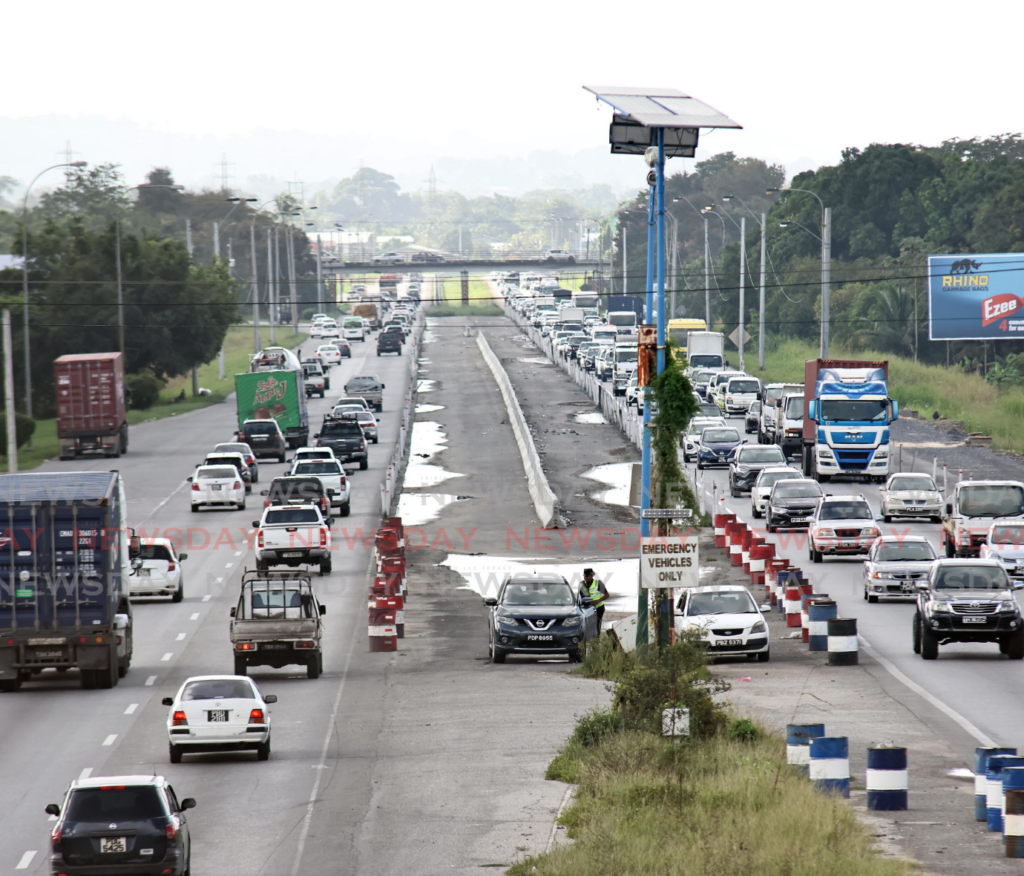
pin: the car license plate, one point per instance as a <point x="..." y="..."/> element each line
<point x="975" y="620"/>
<point x="48" y="655"/>
<point x="145" y="573"/>
<point x="292" y="554"/>
<point x="274" y="646"/>
<point x="1020" y="569"/>
<point x="113" y="844"/>
<point x="915" y="508"/>
<point x="215" y="486"/>
<point x="539" y="638"/>
<point x="728" y="642"/>
<point x="218" y="716"/>
<point x="799" y="519"/>
<point x="847" y="544"/>
<point x="907" y="586"/>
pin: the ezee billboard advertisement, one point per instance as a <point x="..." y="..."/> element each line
<point x="975" y="297"/>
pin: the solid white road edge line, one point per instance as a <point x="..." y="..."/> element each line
<point x="26" y="859"/>
<point x="168" y="499"/>
<point x="131" y="709"/>
<point x="150" y="681"/>
<point x="84" y="774"/>
<point x="110" y="739"/>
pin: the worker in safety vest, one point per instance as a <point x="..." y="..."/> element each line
<point x="598" y="593"/>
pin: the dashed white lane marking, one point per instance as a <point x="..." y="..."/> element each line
<point x="131" y="709"/>
<point x="209" y="596"/>
<point x="228" y="565"/>
<point x="167" y="656"/>
<point x="181" y="636"/>
<point x="84" y="774"/>
<point x="26" y="859"/>
<point x="195" y="616"/>
<point x="238" y="553"/>
<point x="110" y="739"/>
<point x="150" y="681"/>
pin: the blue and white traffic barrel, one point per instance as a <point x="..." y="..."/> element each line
<point x="981" y="756"/>
<point x="886" y="778"/>
<point x="843" y="643"/>
<point x="994" y="788"/>
<point x="819" y="613"/>
<point x="830" y="764"/>
<point x="798" y="742"/>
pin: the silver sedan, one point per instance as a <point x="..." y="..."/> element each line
<point x="895" y="564"/>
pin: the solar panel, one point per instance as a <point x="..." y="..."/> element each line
<point x="661" y="107"/>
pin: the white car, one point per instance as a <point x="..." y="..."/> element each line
<point x="728" y="619"/>
<point x="841" y="526"/>
<point x="217" y="485"/>
<point x="338" y="410"/>
<point x="763" y="486"/>
<point x="558" y="255"/>
<point x="692" y="437"/>
<point x="906" y="494"/>
<point x="1005" y="544"/>
<point x="317" y="316"/>
<point x="632" y="390"/>
<point x="329" y="329"/>
<point x="740" y="393"/>
<point x="354" y="329"/>
<point x="218" y="713"/>
<point x="158" y="572"/>
<point x="316" y="328"/>
<point x="332" y="475"/>
<point x="329" y="354"/>
<point x="310" y="453"/>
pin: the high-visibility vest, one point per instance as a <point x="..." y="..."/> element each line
<point x="596" y="595"/>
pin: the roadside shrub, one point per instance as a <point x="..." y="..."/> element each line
<point x="24" y="429"/>
<point x="593" y="727"/>
<point x="744" y="730"/>
<point x="144" y="388"/>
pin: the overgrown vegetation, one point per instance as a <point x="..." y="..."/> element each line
<point x="720" y="801"/>
<point x="482" y="300"/>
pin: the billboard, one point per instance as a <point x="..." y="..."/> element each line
<point x="975" y="297"/>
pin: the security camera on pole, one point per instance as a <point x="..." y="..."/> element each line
<point x="657" y="123"/>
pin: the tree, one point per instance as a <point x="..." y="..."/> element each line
<point x="156" y="196"/>
<point x="94" y="195"/>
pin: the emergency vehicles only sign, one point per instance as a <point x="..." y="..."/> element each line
<point x="669" y="561"/>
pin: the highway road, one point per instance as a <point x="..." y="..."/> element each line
<point x="301" y="811"/>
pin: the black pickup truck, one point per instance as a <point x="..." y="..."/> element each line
<point x="389" y="341"/>
<point x="298" y="490"/>
<point x="345" y="437"/>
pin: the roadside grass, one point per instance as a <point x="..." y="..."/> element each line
<point x="967" y="398"/>
<point x="717" y="805"/>
<point x="483" y="300"/>
<point x="237" y="347"/>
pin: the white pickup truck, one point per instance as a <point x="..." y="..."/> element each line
<point x="333" y="477"/>
<point x="293" y="535"/>
<point x="314" y="379"/>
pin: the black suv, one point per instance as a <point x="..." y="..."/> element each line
<point x="967" y="601"/>
<point x="747" y="463"/>
<point x="389" y="341"/>
<point x="791" y="504"/>
<point x="539" y="615"/>
<point x="298" y="490"/>
<point x="345" y="437"/>
<point x="265" y="438"/>
<point x="121" y="824"/>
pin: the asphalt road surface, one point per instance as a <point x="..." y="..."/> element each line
<point x="299" y="812"/>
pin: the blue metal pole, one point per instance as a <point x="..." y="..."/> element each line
<point x="645" y="465"/>
<point x="663" y="595"/>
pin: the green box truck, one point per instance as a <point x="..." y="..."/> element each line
<point x="274" y="395"/>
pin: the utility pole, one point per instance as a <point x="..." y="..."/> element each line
<point x="271" y="283"/>
<point x="319" y="276"/>
<point x="277" y="271"/>
<point x="760" y="330"/>
<point x="707" y="277"/>
<point x="216" y="240"/>
<point x="675" y="254"/>
<point x="257" y="341"/>
<point x="826" y="276"/>
<point x="12" y="432"/>
<point x="120" y="293"/>
<point x="188" y="236"/>
<point x="291" y="279"/>
<point x="743" y="284"/>
<point x="625" y="273"/>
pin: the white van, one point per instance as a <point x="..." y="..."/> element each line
<point x="740" y="393"/>
<point x="624" y="321"/>
<point x="624" y="364"/>
<point x="789" y="428"/>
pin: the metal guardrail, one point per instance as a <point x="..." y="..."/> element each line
<point x="390" y="485"/>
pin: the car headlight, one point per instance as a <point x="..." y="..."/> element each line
<point x="573" y="621"/>
<point x="728" y="398"/>
<point x="869" y="531"/>
<point x="759" y="627"/>
<point x="1007" y="605"/>
<point x="742" y="469"/>
<point x="881" y="575"/>
<point x="826" y="533"/>
<point x="506" y="620"/>
<point x="941" y="608"/>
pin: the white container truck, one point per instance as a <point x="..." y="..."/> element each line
<point x="705" y="350"/>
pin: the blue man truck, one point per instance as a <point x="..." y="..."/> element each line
<point x="847" y="414"/>
<point x="65" y="558"/>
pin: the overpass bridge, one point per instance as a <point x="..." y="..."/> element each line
<point x="532" y="262"/>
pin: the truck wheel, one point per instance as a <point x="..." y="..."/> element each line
<point x="262" y="566"/>
<point x="917" y="633"/>
<point x="174" y="751"/>
<point x="281" y="457"/>
<point x="263" y="751"/>
<point x="363" y="465"/>
<point x="1014" y="647"/>
<point x="815" y="556"/>
<point x="124" y="438"/>
<point x="179" y="594"/>
<point x="887" y="518"/>
<point x="10" y="685"/>
<point x="346" y="509"/>
<point x="241" y="668"/>
<point x="378" y="354"/>
<point x="88" y="679"/>
<point x="313" y="666"/>
<point x="929" y="644"/>
<point x="950" y="548"/>
<point x="325" y="566"/>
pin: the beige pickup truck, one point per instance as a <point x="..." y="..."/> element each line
<point x="278" y="622"/>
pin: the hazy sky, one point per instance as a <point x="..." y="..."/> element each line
<point x="412" y="82"/>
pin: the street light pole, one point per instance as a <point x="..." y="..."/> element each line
<point x="743" y="287"/>
<point x="24" y="277"/>
<point x="760" y="327"/>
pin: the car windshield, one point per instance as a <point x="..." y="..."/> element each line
<point x="720" y="436"/>
<point x="992" y="500"/>
<point x="537" y="593"/>
<point x="722" y="602"/>
<point x="209" y="474"/>
<point x="709" y="410"/>
<point x="907" y="552"/>
<point x="742" y="386"/>
<point x="232" y="448"/>
<point x="362" y="383"/>
<point x="293" y="515"/>
<point x="845" y="511"/>
<point x="768" y="478"/>
<point x="314" y="454"/>
<point x="154" y="552"/>
<point x="261" y="429"/>
<point x="622" y="318"/>
<point x="341" y="429"/>
<point x="625" y="355"/>
<point x="802" y="490"/>
<point x="318" y="468"/>
<point x="354" y="322"/>
<point x="761" y="455"/>
<point x="795" y="407"/>
<point x="215" y="460"/>
<point x="1007" y="536"/>
<point x="698" y="426"/>
<point x="914" y="483"/>
<point x="970" y="578"/>
<point x="702" y="359"/>
<point x="115" y="804"/>
<point x="854" y="409"/>
<point x="755" y="407"/>
<point x="703" y="376"/>
<point x="218" y="689"/>
<point x="366" y="417"/>
<point x="606" y="335"/>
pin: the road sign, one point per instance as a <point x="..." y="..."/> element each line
<point x="734" y="334"/>
<point x="666" y="513"/>
<point x="669" y="561"/>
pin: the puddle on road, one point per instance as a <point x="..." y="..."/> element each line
<point x="428" y="409"/>
<point x="593" y="419"/>
<point x="415" y="509"/>
<point x="427" y="440"/>
<point x="425" y="385"/>
<point x="428" y="337"/>
<point x="617" y="476"/>
<point x="535" y="360"/>
<point x="423" y="360"/>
